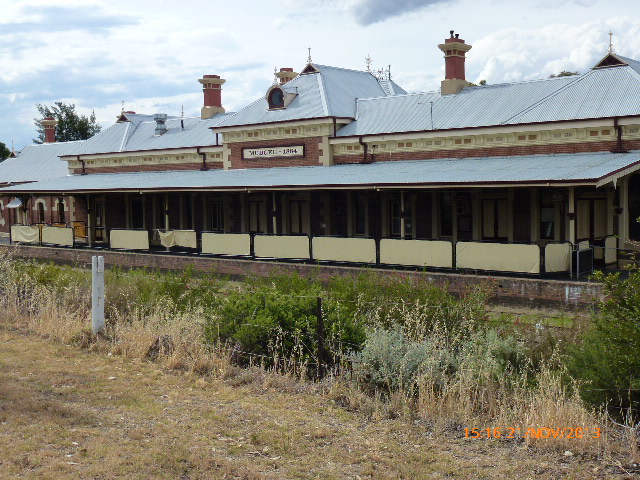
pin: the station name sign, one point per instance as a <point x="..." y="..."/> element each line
<point x="272" y="152"/>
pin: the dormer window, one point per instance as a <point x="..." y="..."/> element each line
<point x="276" y="98"/>
<point x="280" y="97"/>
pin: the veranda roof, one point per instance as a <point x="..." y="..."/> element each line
<point x="596" y="169"/>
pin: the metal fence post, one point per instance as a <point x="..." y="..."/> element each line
<point x="97" y="294"/>
<point x="322" y="354"/>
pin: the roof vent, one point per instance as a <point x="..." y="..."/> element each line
<point x="160" y="118"/>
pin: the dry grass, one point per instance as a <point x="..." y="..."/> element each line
<point x="111" y="406"/>
<point x="67" y="412"/>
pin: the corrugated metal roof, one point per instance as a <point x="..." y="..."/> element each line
<point x="598" y="93"/>
<point x="37" y="162"/>
<point x="632" y="63"/>
<point x="140" y="135"/>
<point x="330" y="92"/>
<point x="605" y="92"/>
<point x="585" y="168"/>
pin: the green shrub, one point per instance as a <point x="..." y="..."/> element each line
<point x="413" y="303"/>
<point x="390" y="362"/>
<point x="607" y="361"/>
<point x="276" y="318"/>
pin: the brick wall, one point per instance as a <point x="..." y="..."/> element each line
<point x="491" y="152"/>
<point x="5" y="222"/>
<point x="312" y="153"/>
<point x="520" y="291"/>
<point x="73" y="206"/>
<point x="211" y="165"/>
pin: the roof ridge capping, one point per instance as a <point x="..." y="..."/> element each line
<point x="316" y="65"/>
<point x="574" y="79"/>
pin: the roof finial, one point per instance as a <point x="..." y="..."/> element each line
<point x="368" y="61"/>
<point x="309" y="58"/>
<point x="611" y="42"/>
<point x="122" y="110"/>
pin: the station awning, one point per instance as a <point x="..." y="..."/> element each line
<point x="15" y="203"/>
<point x="593" y="169"/>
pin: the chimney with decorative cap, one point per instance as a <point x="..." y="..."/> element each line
<point x="49" y="125"/>
<point x="212" y="88"/>
<point x="454" y="50"/>
<point x="286" y="75"/>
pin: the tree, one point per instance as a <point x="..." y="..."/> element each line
<point x="607" y="361"/>
<point x="4" y="152"/>
<point x="563" y="73"/>
<point x="71" y="125"/>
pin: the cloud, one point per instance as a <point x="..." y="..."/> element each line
<point x="537" y="53"/>
<point x="56" y="18"/>
<point x="367" y="12"/>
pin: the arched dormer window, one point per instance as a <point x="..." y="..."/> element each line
<point x="276" y="98"/>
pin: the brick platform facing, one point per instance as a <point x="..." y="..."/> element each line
<point x="528" y="292"/>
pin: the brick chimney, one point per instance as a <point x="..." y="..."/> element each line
<point x="49" y="125"/>
<point x="454" y="50"/>
<point x="212" y="88"/>
<point x="286" y="74"/>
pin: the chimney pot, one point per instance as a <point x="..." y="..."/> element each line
<point x="286" y="74"/>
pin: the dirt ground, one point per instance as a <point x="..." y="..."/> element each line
<point x="66" y="412"/>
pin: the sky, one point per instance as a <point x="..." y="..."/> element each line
<point x="149" y="54"/>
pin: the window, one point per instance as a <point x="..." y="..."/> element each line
<point x="495" y="221"/>
<point x="296" y="216"/>
<point x="257" y="216"/>
<point x="547" y="219"/>
<point x="216" y="215"/>
<point x="394" y="214"/>
<point x="276" y="99"/>
<point x="61" y="215"/>
<point x="360" y="214"/>
<point x="446" y="214"/>
<point x="41" y="212"/>
<point x="98" y="209"/>
<point x="188" y="213"/>
<point x="395" y="218"/>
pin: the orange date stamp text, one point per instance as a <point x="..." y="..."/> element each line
<point x="533" y="432"/>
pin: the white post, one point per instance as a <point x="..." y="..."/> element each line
<point x="97" y="294"/>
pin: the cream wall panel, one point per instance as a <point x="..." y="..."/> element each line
<point x="557" y="257"/>
<point x="610" y="252"/>
<point x="500" y="257"/>
<point x="226" y="243"/>
<point x="362" y="250"/>
<point x="57" y="235"/>
<point x="129" y="239"/>
<point x="178" y="238"/>
<point x="25" y="233"/>
<point x="281" y="246"/>
<point x="423" y="253"/>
